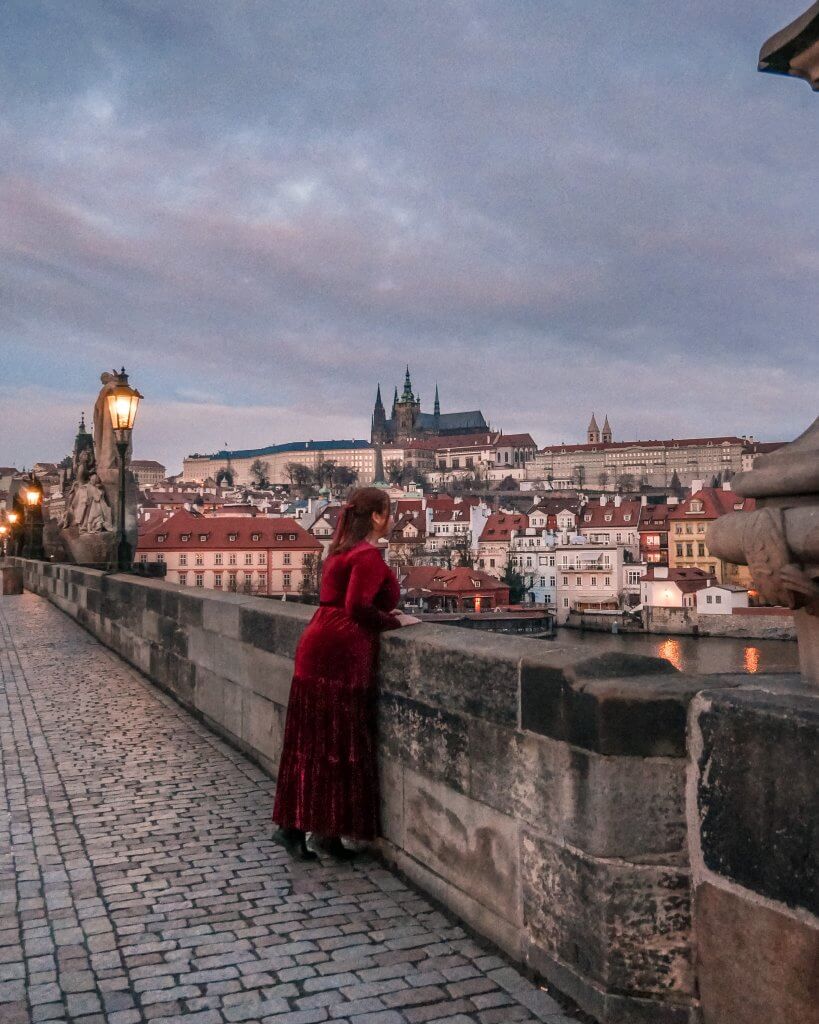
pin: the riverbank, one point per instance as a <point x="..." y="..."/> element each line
<point x="743" y="623"/>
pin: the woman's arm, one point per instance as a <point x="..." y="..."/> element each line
<point x="366" y="579"/>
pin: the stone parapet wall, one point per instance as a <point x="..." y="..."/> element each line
<point x="754" y="850"/>
<point x="748" y="623"/>
<point x="541" y="799"/>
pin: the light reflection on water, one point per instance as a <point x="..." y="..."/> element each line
<point x="701" y="655"/>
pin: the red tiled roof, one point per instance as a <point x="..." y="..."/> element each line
<point x="217" y="531"/>
<point x="447" y="581"/>
<point x="500" y="525"/>
<point x="715" y="503"/>
<point x="674" y="442"/>
<point x="617" y="516"/>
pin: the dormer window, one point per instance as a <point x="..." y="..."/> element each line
<point x="185" y="537"/>
<point x="587" y="518"/>
<point x="279" y="536"/>
<point x="291" y="536"/>
<point x="161" y="538"/>
<point x="203" y="537"/>
<point x="256" y="536"/>
<point x="231" y="536"/>
<point x="607" y="518"/>
<point x="696" y="506"/>
<point x="627" y="517"/>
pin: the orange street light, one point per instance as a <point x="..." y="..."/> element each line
<point x="123" y="403"/>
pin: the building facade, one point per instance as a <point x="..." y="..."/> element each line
<point x="254" y="555"/>
<point x="688" y="533"/>
<point x="236" y="467"/>
<point x="148" y="472"/>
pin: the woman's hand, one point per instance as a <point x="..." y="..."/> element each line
<point x="407" y="620"/>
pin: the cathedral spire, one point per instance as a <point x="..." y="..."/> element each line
<point x="437" y="408"/>
<point x="407" y="395"/>
<point x="606" y="434"/>
<point x="593" y="432"/>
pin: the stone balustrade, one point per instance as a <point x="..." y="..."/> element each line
<point x="541" y="798"/>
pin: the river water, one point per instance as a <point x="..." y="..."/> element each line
<point x="698" y="655"/>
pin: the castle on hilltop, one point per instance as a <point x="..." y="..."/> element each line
<point x="407" y="422"/>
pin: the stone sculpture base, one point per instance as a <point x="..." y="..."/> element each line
<point x="94" y="550"/>
<point x="11" y="580"/>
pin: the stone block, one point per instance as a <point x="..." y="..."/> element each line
<point x="755" y="964"/>
<point x="626" y="927"/>
<point x="11" y="580"/>
<point x="580" y="797"/>
<point x="269" y="675"/>
<point x="757" y="770"/>
<point x="472" y="846"/>
<point x="431" y="740"/>
<point x="391" y="776"/>
<point x="468" y="674"/>
<point x="262" y="727"/>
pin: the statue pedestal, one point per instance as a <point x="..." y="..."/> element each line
<point x="94" y="550"/>
<point x="11" y="580"/>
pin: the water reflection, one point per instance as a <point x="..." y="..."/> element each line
<point x="752" y="659"/>
<point x="698" y="655"/>
<point x="670" y="650"/>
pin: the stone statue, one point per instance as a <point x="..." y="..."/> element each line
<point x="779" y="542"/>
<point x="105" y="447"/>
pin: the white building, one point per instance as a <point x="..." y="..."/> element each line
<point x="589" y="577"/>
<point x="721" y="599"/>
<point x="661" y="587"/>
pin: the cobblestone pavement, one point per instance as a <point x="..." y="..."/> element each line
<point x="139" y="881"/>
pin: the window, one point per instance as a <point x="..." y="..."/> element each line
<point x="633" y="577"/>
<point x="551" y="581"/>
<point x="689" y="550"/>
<point x="256" y="536"/>
<point x="491" y="563"/>
<point x="480" y="562"/>
<point x="543" y="581"/>
<point x="608" y="581"/>
<point x="717" y="598"/>
<point x="279" y="536"/>
<point x="232" y="558"/>
<point x="200" y="579"/>
<point x="183" y="579"/>
<point x="185" y="537"/>
<point x="262" y="581"/>
<point x="217" y="581"/>
<point x="565" y="602"/>
<point x="161" y="538"/>
<point x="232" y="581"/>
<point x="477" y="583"/>
<point x="160" y="558"/>
<point x="203" y="537"/>
<point x="286" y="558"/>
<point x="143" y="559"/>
<point x="679" y="551"/>
<point x="594" y="581"/>
<point x="565" y="581"/>
<point x="262" y="559"/>
<point x="183" y="559"/>
<point x="286" y="580"/>
<point x="248" y="578"/>
<point x="231" y="536"/>
<point x="217" y="560"/>
<point x="199" y="558"/>
<point x="248" y="558"/>
<point x="709" y="599"/>
<point x="701" y="550"/>
<point x="578" y="581"/>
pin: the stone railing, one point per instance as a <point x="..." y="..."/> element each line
<point x="540" y="797"/>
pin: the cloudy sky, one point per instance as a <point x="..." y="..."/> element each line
<point x="264" y="208"/>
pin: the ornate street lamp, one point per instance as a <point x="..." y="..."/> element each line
<point x="123" y="403"/>
<point x="32" y="495"/>
<point x="4" y="532"/>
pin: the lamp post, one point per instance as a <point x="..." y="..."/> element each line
<point x="32" y="494"/>
<point x="4" y="532"/>
<point x="123" y="403"/>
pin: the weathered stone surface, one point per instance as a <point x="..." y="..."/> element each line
<point x="757" y="791"/>
<point x="461" y="673"/>
<point x="430" y="740"/>
<point x="472" y="846"/>
<point x="755" y="965"/>
<point x="11" y="580"/>
<point x="626" y="927"/>
<point x="580" y="797"/>
<point x="262" y="725"/>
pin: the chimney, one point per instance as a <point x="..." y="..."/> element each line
<point x="660" y="572"/>
<point x="644" y="500"/>
<point x="727" y="486"/>
<point x="618" y="500"/>
<point x="602" y="499"/>
<point x="696" y="485"/>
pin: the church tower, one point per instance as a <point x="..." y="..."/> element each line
<point x="379" y="433"/>
<point x="605" y="435"/>
<point x="407" y="410"/>
<point x="436" y="413"/>
<point x="593" y="432"/>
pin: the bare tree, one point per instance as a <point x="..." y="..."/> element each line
<point x="260" y="473"/>
<point x="298" y="474"/>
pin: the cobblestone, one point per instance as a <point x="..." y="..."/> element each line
<point x="139" y="880"/>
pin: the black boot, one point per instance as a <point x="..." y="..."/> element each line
<point x="294" y="841"/>
<point x="334" y="846"/>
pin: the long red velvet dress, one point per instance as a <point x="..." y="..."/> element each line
<point x="328" y="774"/>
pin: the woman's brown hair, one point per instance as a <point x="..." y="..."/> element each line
<point x="356" y="519"/>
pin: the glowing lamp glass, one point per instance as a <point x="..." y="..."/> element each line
<point x="33" y="497"/>
<point x="3" y="531"/>
<point x="13" y="517"/>
<point x="122" y="407"/>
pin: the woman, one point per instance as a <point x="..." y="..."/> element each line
<point x="328" y="774"/>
